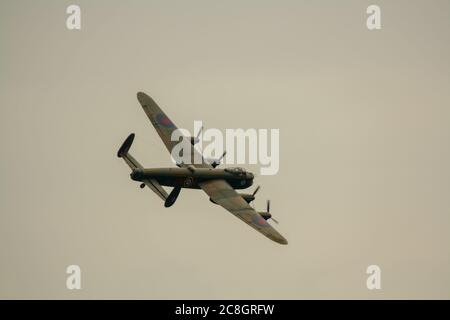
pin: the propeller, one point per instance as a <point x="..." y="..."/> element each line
<point x="199" y="132"/>
<point x="268" y="211"/>
<point x="217" y="161"/>
<point x="253" y="194"/>
<point x="196" y="139"/>
<point x="223" y="155"/>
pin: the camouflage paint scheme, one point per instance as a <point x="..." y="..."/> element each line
<point x="216" y="183"/>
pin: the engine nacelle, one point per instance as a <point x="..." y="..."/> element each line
<point x="265" y="215"/>
<point x="247" y="197"/>
<point x="213" y="162"/>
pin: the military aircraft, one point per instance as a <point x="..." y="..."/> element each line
<point x="219" y="184"/>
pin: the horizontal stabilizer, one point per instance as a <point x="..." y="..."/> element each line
<point x="123" y="153"/>
<point x="134" y="164"/>
<point x="125" y="146"/>
<point x="156" y="188"/>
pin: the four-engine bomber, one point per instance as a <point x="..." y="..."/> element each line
<point x="219" y="184"/>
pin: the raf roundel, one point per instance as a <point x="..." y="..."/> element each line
<point x="164" y="121"/>
<point x="260" y="221"/>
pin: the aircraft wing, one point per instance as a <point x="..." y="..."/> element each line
<point x="223" y="194"/>
<point x="165" y="127"/>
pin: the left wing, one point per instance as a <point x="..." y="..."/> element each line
<point x="223" y="194"/>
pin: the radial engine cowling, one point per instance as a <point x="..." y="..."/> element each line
<point x="248" y="197"/>
<point x="265" y="215"/>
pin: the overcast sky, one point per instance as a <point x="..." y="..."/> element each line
<point x="364" y="148"/>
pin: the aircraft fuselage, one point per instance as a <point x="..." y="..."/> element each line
<point x="188" y="178"/>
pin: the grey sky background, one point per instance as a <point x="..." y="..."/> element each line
<point x="364" y="166"/>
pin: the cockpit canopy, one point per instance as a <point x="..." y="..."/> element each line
<point x="236" y="171"/>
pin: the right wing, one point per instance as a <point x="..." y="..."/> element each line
<point x="165" y="128"/>
<point x="223" y="194"/>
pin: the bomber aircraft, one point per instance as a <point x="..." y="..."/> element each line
<point x="219" y="184"/>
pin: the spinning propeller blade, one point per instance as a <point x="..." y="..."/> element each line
<point x="199" y="132"/>
<point x="268" y="211"/>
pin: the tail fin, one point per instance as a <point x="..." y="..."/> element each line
<point x="123" y="153"/>
<point x="125" y="146"/>
<point x="133" y="164"/>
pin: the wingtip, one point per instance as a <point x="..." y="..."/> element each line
<point x="145" y="100"/>
<point x="278" y="238"/>
<point x="141" y="96"/>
